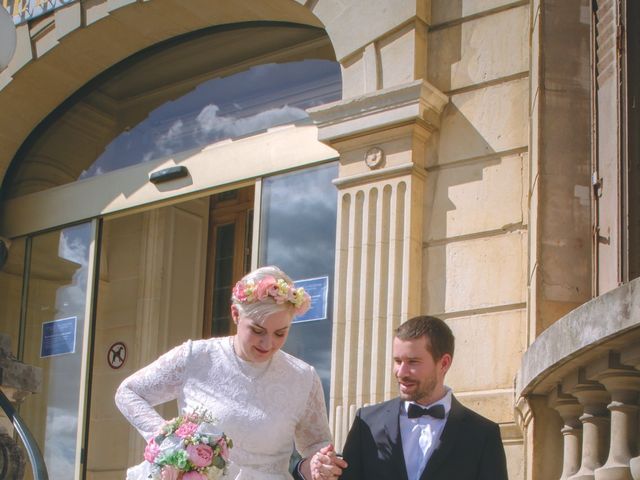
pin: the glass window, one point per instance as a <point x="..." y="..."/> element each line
<point x="298" y="234"/>
<point x="176" y="98"/>
<point x="55" y="319"/>
<point x="224" y="108"/>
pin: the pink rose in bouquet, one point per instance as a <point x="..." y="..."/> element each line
<point x="169" y="473"/>
<point x="224" y="448"/>
<point x="188" y="447"/>
<point x="186" y="429"/>
<point x="201" y="455"/>
<point x="193" y="475"/>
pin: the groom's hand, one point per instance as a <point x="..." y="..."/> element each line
<point x="326" y="464"/>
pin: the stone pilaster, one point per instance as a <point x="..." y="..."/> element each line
<point x="381" y="139"/>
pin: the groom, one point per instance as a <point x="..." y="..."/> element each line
<point x="425" y="434"/>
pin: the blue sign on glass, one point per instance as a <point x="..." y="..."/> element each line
<point x="58" y="337"/>
<point x="317" y="288"/>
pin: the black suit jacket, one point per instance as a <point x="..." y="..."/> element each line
<point x="470" y="447"/>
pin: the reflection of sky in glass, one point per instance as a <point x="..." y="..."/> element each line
<point x="299" y="235"/>
<point x="63" y="377"/>
<point x="230" y="107"/>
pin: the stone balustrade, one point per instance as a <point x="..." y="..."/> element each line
<point x="585" y="371"/>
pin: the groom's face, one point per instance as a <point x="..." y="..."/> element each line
<point x="420" y="377"/>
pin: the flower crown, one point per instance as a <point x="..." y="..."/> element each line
<point x="279" y="290"/>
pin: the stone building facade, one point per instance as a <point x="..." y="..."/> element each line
<point x="471" y="159"/>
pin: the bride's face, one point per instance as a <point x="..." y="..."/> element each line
<point x="258" y="341"/>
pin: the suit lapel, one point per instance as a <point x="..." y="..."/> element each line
<point x="392" y="429"/>
<point x="450" y="433"/>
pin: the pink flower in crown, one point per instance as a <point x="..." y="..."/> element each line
<point x="186" y="429"/>
<point x="200" y="455"/>
<point x="193" y="475"/>
<point x="170" y="473"/>
<point x="151" y="451"/>
<point x="239" y="292"/>
<point x="265" y="287"/>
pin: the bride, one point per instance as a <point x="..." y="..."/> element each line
<point x="264" y="399"/>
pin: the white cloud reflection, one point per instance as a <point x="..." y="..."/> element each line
<point x="210" y="122"/>
<point x="60" y="443"/>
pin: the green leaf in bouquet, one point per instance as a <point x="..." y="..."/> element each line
<point x="218" y="462"/>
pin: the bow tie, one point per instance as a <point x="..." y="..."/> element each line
<point x="415" y="411"/>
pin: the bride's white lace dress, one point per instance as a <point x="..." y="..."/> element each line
<point x="263" y="408"/>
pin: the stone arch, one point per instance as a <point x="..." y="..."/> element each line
<point x="59" y="53"/>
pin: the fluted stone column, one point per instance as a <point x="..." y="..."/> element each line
<point x="623" y="383"/>
<point x="381" y="138"/>
<point x="595" y="425"/>
<point x="569" y="409"/>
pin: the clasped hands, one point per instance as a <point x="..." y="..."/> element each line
<point x="325" y="464"/>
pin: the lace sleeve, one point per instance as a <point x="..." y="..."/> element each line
<point x="312" y="431"/>
<point x="154" y="384"/>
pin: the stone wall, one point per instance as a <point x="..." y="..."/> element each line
<point x="476" y="210"/>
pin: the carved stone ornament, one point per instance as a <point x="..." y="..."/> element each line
<point x="374" y="157"/>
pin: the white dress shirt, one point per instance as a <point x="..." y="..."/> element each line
<point x="421" y="436"/>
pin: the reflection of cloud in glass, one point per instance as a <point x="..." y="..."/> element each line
<point x="301" y="221"/>
<point x="211" y="123"/>
<point x="230" y="107"/>
<point x="169" y="140"/>
<point x="299" y="218"/>
<point x="64" y="371"/>
<point x="73" y="247"/>
<point x="60" y="443"/>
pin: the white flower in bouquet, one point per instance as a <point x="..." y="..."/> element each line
<point x="171" y="445"/>
<point x="210" y="430"/>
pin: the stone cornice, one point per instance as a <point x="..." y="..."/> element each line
<point x="418" y="101"/>
<point x="382" y="174"/>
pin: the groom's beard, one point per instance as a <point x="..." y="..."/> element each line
<point x="418" y="389"/>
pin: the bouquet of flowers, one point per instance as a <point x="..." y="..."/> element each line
<point x="188" y="447"/>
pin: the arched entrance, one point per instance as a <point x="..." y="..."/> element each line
<point x="148" y="262"/>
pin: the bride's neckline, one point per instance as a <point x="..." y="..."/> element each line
<point x="252" y="371"/>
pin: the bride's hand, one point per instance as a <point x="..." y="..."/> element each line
<point x="326" y="465"/>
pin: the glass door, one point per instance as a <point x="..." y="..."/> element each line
<point x="298" y="234"/>
<point x="56" y="330"/>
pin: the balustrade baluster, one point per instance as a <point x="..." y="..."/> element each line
<point x="595" y="425"/>
<point x="631" y="356"/>
<point x="623" y="383"/>
<point x="569" y="409"/>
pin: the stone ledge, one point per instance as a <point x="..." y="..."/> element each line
<point x="576" y="338"/>
<point x="17" y="379"/>
<point x="415" y="101"/>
